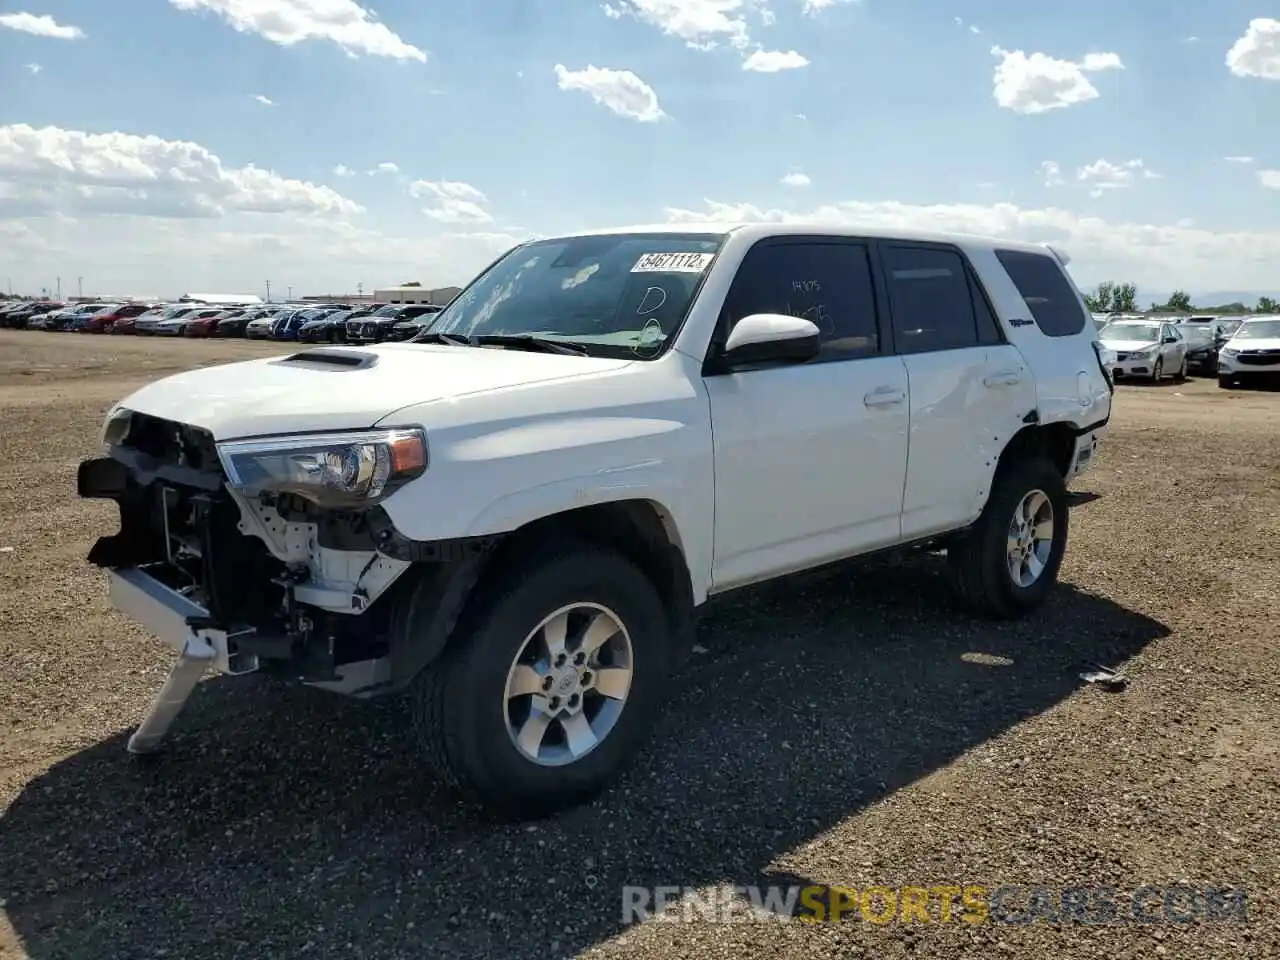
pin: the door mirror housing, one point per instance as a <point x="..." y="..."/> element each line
<point x="771" y="338"/>
<point x="1169" y="340"/>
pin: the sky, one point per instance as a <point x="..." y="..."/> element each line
<point x="154" y="147"/>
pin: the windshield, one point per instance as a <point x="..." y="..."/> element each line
<point x="1258" y="329"/>
<point x="1144" y="332"/>
<point x="622" y="294"/>
<point x="390" y="310"/>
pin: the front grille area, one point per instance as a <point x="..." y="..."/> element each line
<point x="1260" y="358"/>
<point x="173" y="444"/>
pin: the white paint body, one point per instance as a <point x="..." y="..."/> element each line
<point x="756" y="474"/>
<point x="1266" y="349"/>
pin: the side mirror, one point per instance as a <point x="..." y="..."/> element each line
<point x="771" y="338"/>
<point x="1169" y="340"/>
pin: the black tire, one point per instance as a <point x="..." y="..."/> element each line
<point x="1226" y="383"/>
<point x="978" y="561"/>
<point x="458" y="702"/>
<point x="1158" y="370"/>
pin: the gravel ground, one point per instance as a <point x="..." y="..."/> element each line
<point x="848" y="728"/>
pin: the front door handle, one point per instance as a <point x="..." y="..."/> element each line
<point x="884" y="396"/>
<point x="1005" y="378"/>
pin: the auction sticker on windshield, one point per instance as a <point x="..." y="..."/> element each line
<point x="673" y="263"/>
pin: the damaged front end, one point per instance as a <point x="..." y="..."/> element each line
<point x="254" y="556"/>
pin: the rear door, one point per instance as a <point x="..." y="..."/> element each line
<point x="809" y="458"/>
<point x="969" y="388"/>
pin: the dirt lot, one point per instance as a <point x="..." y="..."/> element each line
<point x="848" y="729"/>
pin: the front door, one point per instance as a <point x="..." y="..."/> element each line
<point x="809" y="458"/>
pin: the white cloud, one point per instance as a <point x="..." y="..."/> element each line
<point x="130" y="255"/>
<point x="1153" y="255"/>
<point x="1036" y="83"/>
<point x="43" y="26"/>
<point x="1269" y="179"/>
<point x="386" y="166"/>
<point x="265" y="101"/>
<point x="772" y="61"/>
<point x="1103" y="175"/>
<point x="33" y="68"/>
<point x="619" y="90"/>
<point x="288" y="22"/>
<point x="701" y="24"/>
<point x="1238" y="159"/>
<point x="342" y="170"/>
<point x="1257" y="53"/>
<point x="814" y="7"/>
<point x="972" y="27"/>
<point x="796" y="180"/>
<point x="452" y="201"/>
<point x="49" y="170"/>
<point x="1051" y="172"/>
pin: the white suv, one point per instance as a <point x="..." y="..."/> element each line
<point x="517" y="514"/>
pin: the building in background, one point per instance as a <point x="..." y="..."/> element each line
<point x="415" y="294"/>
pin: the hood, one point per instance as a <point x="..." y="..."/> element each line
<point x="1253" y="343"/>
<point x="344" y="388"/>
<point x="1126" y="345"/>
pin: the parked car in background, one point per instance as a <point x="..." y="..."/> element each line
<point x="1252" y="352"/>
<point x="330" y="327"/>
<point x="260" y="328"/>
<point x="410" y="328"/>
<point x="80" y="322"/>
<point x="147" y="324"/>
<point x="234" y="326"/>
<point x="286" y="326"/>
<point x="1146" y="348"/>
<point x="204" y="326"/>
<point x="58" y="319"/>
<point x="103" y="320"/>
<point x="19" y="318"/>
<point x="1204" y="340"/>
<point x="126" y="325"/>
<point x="378" y="325"/>
<point x="176" y="326"/>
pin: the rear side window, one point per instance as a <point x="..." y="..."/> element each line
<point x="1050" y="297"/>
<point x="933" y="304"/>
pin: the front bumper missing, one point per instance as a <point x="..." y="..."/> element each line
<point x="178" y="622"/>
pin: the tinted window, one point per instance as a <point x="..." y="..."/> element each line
<point x="1050" y="298"/>
<point x="988" y="330"/>
<point x="931" y="299"/>
<point x="828" y="283"/>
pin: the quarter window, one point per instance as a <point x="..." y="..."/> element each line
<point x="1049" y="295"/>
<point x="933" y="304"/>
<point x="828" y="283"/>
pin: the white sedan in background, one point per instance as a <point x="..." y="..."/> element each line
<point x="1252" y="351"/>
<point x="1151" y="349"/>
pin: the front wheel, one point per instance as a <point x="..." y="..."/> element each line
<point x="1158" y="370"/>
<point x="1181" y="375"/>
<point x="1007" y="563"/>
<point x="549" y="684"/>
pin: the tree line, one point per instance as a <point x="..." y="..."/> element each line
<point x="1112" y="297"/>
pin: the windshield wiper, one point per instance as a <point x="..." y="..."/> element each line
<point x="453" y="339"/>
<point x="527" y="341"/>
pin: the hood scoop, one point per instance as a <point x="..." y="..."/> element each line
<point x="332" y="359"/>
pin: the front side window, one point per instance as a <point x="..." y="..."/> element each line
<point x="828" y="283"/>
<point x="931" y="298"/>
<point x="623" y="294"/>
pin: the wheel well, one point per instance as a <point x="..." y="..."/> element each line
<point x="1057" y="441"/>
<point x="639" y="530"/>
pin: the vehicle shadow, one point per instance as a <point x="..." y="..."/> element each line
<point x="299" y="824"/>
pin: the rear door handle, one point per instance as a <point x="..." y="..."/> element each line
<point x="884" y="396"/>
<point x="1005" y="378"/>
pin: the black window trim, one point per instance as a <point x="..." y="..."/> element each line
<point x="976" y="290"/>
<point x="884" y="332"/>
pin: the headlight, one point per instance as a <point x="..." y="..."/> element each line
<point x="116" y="427"/>
<point x="335" y="469"/>
<point x="1227" y="352"/>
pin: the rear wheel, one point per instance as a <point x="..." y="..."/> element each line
<point x="1007" y="563"/>
<point x="550" y="683"/>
